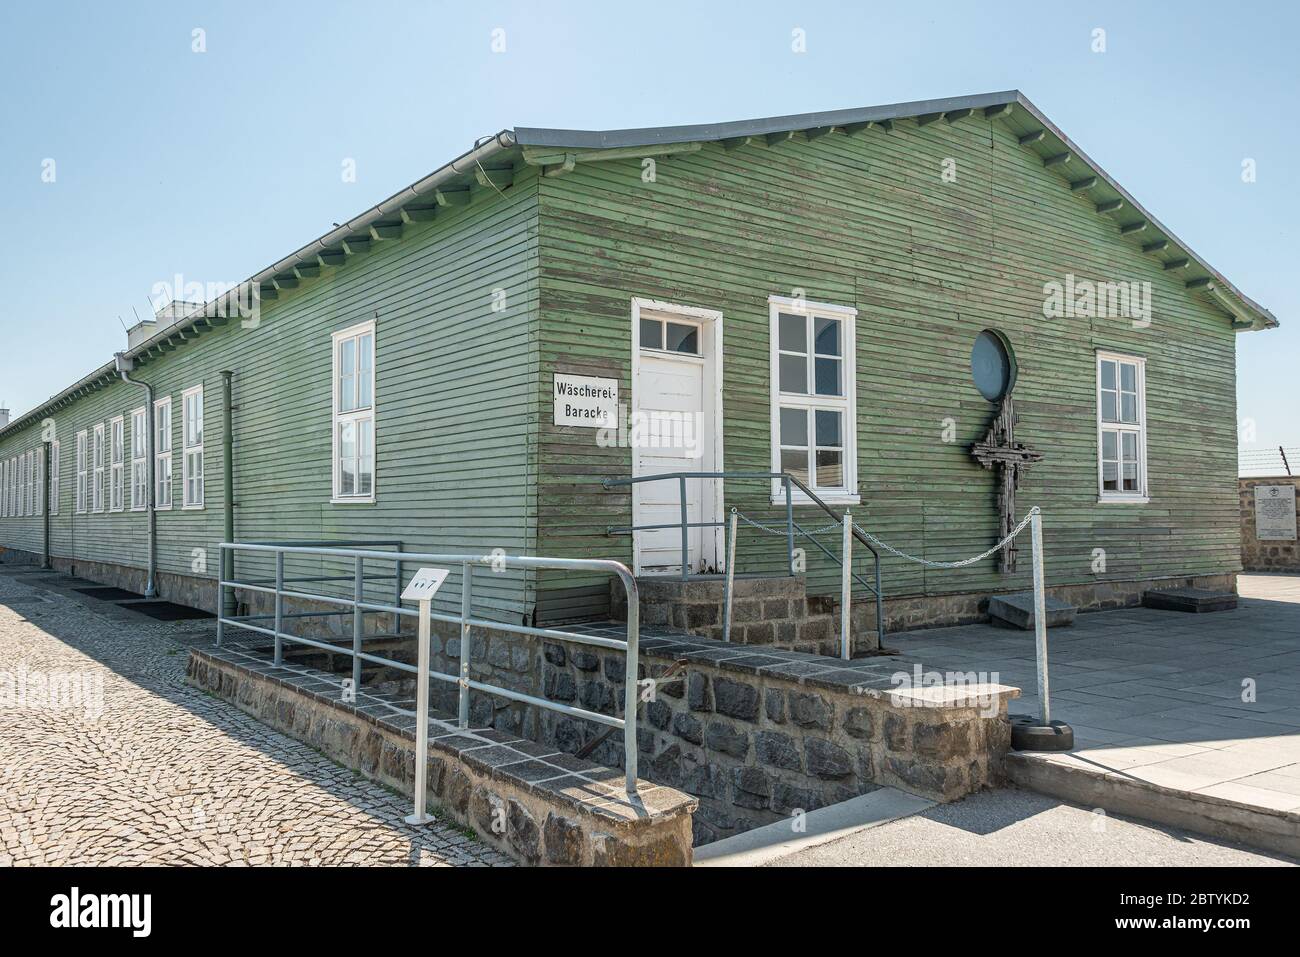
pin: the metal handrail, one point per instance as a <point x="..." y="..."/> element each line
<point x="360" y="607"/>
<point x="787" y="482"/>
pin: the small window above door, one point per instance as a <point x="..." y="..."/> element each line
<point x="667" y="335"/>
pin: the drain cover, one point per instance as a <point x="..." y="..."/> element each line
<point x="166" y="610"/>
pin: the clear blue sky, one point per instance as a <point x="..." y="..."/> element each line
<point x="216" y="164"/>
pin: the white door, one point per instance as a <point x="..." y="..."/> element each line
<point x="673" y="430"/>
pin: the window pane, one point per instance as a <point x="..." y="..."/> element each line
<point x="826" y="336"/>
<point x="1130" y="446"/>
<point x="1107" y="374"/>
<point x="1128" y="407"/>
<point x="828" y="428"/>
<point x="347" y="375"/>
<point x="680" y="338"/>
<point x="830" y="469"/>
<point x="828" y="377"/>
<point x="796" y="463"/>
<point x="1108" y="409"/>
<point x="366" y="476"/>
<point x="1110" y="476"/>
<point x="347" y="357"/>
<point x="1128" y="377"/>
<point x="794" y="374"/>
<point x="793" y="335"/>
<point x="366" y="350"/>
<point x="1109" y="445"/>
<point x="365" y="432"/>
<point x="651" y="334"/>
<point x="347" y="440"/>
<point x="363" y="387"/>
<point x="794" y="427"/>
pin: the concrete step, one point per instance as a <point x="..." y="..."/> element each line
<point x="774" y="841"/>
<point x="1070" y="779"/>
<point x="1189" y="599"/>
<point x="1017" y="611"/>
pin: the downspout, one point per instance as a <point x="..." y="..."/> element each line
<point x="124" y="366"/>
<point x="45" y="505"/>
<point x="227" y="562"/>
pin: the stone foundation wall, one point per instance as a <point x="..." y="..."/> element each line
<point x="1266" y="556"/>
<point x="933" y="611"/>
<point x="538" y="807"/>
<point x="756" y="737"/>
<point x="776" y="612"/>
<point x="190" y="590"/>
<point x="771" y="611"/>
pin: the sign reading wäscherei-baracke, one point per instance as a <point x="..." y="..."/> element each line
<point x="585" y="400"/>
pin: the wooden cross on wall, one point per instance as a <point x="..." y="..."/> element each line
<point x="1000" y="448"/>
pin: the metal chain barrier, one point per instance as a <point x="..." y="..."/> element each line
<point x="771" y="530"/>
<point x="1024" y="523"/>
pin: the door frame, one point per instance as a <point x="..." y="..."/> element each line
<point x="710" y="321"/>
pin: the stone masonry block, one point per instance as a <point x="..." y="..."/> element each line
<point x="735" y="698"/>
<point x="720" y="736"/>
<point x="774" y="749"/>
<point x="810" y="710"/>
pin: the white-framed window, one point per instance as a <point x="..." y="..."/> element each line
<point x="83" y="478"/>
<point x="37" y="506"/>
<point x="139" y="459"/>
<point x="354" y="414"/>
<point x="814" y="404"/>
<point x="54" y="477"/>
<point x="116" y="464"/>
<point x="25" y="508"/>
<point x="97" y="466"/>
<point x="192" y="442"/>
<point x="162" y="453"/>
<point x="1121" y="428"/>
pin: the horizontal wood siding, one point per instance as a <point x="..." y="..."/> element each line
<point x="867" y="220"/>
<point x="456" y="396"/>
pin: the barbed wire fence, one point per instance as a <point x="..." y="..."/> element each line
<point x="1282" y="460"/>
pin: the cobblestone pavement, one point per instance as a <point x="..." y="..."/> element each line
<point x="108" y="757"/>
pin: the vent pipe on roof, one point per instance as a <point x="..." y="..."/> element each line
<point x="4" y="418"/>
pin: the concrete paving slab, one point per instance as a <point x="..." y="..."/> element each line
<point x="765" y="845"/>
<point x="1188" y="719"/>
<point x="1015" y="828"/>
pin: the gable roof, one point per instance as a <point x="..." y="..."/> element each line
<point x="492" y="158"/>
<point x="1034" y="130"/>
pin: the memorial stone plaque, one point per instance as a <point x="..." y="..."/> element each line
<point x="1275" y="513"/>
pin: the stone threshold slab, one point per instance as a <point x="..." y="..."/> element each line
<point x="1116" y="792"/>
<point x="778" y="840"/>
